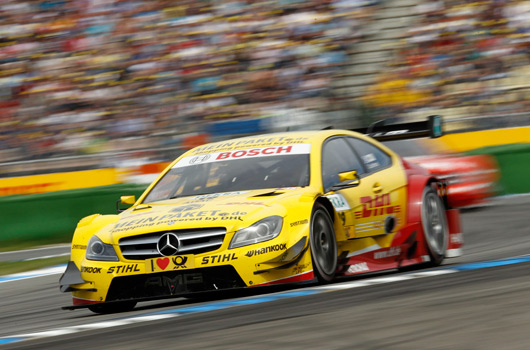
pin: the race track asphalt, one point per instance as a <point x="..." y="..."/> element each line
<point x="479" y="308"/>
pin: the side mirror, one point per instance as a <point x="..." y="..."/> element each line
<point x="348" y="175"/>
<point x="129" y="200"/>
<point x="347" y="179"/>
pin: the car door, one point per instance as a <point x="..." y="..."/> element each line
<point x="338" y="157"/>
<point x="383" y="193"/>
<point x="380" y="191"/>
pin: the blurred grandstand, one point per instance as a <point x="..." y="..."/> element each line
<point x="92" y="83"/>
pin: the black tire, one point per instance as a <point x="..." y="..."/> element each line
<point x="112" y="308"/>
<point x="435" y="228"/>
<point x="323" y="244"/>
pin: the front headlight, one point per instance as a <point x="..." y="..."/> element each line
<point x="260" y="231"/>
<point x="97" y="250"/>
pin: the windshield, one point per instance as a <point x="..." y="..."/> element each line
<point x="233" y="175"/>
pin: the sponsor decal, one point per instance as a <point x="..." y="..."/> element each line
<point x="89" y="269"/>
<point x="78" y="246"/>
<point x="338" y="201"/>
<point x="388" y="253"/>
<point x="376" y="205"/>
<point x="457" y="238"/>
<point x="264" y="151"/>
<point x="207" y="197"/>
<point x="179" y="262"/>
<point x="212" y="259"/>
<point x="245" y="203"/>
<point x="299" y="222"/>
<point x="162" y="263"/>
<point x="272" y="150"/>
<point x="124" y="268"/>
<point x="168" y="263"/>
<point x="360" y="267"/>
<point x="299" y="268"/>
<point x="200" y="159"/>
<point x="253" y="142"/>
<point x="368" y="226"/>
<point x="272" y="248"/>
<point x="179" y="216"/>
<point x="188" y="207"/>
<point x="370" y="160"/>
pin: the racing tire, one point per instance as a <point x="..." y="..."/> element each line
<point x="435" y="227"/>
<point x="323" y="244"/>
<point x="112" y="308"/>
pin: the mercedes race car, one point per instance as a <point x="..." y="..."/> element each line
<point x="279" y="208"/>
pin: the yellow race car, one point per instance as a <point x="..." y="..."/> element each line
<point x="261" y="210"/>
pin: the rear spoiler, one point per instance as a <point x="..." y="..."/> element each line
<point x="432" y="127"/>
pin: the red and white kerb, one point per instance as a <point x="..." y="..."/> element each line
<point x="303" y="148"/>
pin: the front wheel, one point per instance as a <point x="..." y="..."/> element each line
<point x="323" y="244"/>
<point x="434" y="224"/>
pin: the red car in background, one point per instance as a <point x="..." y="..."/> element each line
<point x="471" y="179"/>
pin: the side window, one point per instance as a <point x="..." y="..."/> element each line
<point x="373" y="158"/>
<point x="337" y="157"/>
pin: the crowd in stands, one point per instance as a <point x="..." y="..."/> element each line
<point x="462" y="58"/>
<point x="79" y="76"/>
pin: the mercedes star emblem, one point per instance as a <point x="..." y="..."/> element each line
<point x="168" y="244"/>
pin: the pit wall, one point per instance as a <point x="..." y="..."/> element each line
<point x="469" y="141"/>
<point x="514" y="166"/>
<point x="58" y="181"/>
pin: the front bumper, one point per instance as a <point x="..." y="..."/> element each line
<point x="264" y="264"/>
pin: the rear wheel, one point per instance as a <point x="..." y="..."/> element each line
<point x="112" y="308"/>
<point x="323" y="244"/>
<point x="434" y="224"/>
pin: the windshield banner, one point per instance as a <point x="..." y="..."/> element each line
<point x="303" y="148"/>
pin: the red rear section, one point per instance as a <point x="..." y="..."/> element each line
<point x="470" y="179"/>
<point x="408" y="246"/>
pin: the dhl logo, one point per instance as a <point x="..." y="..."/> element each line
<point x="376" y="205"/>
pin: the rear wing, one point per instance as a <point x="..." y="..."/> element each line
<point x="432" y="127"/>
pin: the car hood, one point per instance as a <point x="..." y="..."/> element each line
<point x="231" y="210"/>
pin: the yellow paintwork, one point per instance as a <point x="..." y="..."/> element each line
<point x="294" y="205"/>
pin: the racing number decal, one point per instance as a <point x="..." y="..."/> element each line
<point x="339" y="202"/>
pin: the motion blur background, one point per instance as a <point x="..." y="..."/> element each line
<point x="131" y="84"/>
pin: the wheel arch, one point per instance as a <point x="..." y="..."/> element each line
<point x="416" y="184"/>
<point x="329" y="207"/>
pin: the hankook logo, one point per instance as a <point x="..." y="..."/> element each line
<point x="168" y="244"/>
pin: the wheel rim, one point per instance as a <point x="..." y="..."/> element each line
<point x="434" y="223"/>
<point x="323" y="243"/>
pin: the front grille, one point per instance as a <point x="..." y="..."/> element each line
<point x="194" y="241"/>
<point x="165" y="284"/>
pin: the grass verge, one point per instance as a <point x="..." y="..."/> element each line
<point x="8" y="268"/>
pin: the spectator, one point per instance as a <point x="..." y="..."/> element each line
<point x="79" y="73"/>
